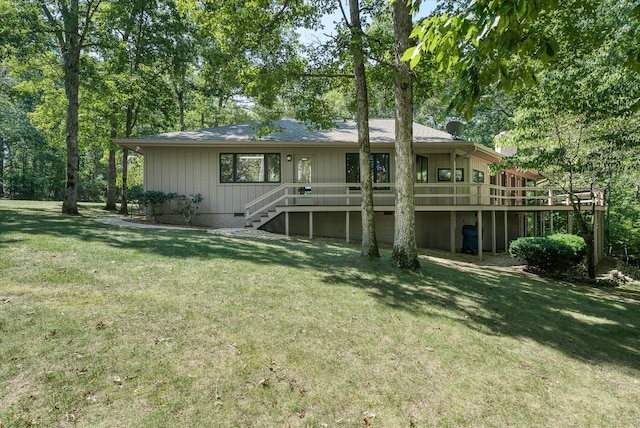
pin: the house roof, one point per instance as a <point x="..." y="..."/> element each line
<point x="293" y="133"/>
<point x="290" y="130"/>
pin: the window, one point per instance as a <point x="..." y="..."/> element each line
<point x="379" y="167"/>
<point x="422" y="175"/>
<point x="478" y="176"/>
<point x="444" y="174"/>
<point x="250" y="167"/>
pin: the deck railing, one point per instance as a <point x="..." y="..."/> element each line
<point x="426" y="194"/>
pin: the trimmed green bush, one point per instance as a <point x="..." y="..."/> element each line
<point x="549" y="253"/>
<point x="152" y="201"/>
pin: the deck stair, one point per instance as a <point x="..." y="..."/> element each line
<point x="263" y="218"/>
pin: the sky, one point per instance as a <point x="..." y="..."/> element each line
<point x="312" y="37"/>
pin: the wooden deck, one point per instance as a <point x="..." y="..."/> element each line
<point x="429" y="197"/>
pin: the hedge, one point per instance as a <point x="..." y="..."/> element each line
<point x="549" y="253"/>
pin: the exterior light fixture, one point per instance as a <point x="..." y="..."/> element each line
<point x="288" y="158"/>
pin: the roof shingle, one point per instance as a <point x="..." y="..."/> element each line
<point x="290" y="130"/>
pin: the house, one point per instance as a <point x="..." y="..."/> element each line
<point x="300" y="181"/>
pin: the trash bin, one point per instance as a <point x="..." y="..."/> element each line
<point x="470" y="239"/>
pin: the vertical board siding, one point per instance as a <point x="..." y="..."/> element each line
<point x="196" y="170"/>
<point x="148" y="169"/>
<point x="181" y="172"/>
<point x="157" y="173"/>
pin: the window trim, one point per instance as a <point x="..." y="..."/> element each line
<point x="234" y="167"/>
<point x="426" y="177"/>
<point x="374" y="161"/>
<point x="442" y="170"/>
<point x="478" y="173"/>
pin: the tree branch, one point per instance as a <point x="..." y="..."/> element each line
<point x="344" y="15"/>
<point x="52" y="21"/>
<point x="87" y="20"/>
<point x="324" y="75"/>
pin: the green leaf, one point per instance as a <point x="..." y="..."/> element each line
<point x="410" y="53"/>
<point x="415" y="60"/>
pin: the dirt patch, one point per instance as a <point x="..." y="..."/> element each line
<point x="18" y="389"/>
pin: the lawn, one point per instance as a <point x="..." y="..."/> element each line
<point x="106" y="326"/>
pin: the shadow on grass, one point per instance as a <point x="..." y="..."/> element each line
<point x="601" y="327"/>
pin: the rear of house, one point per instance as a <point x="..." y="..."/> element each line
<point x="299" y="181"/>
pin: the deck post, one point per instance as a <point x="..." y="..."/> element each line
<point x="347" y="226"/>
<point x="506" y="232"/>
<point x="480" y="235"/>
<point x="493" y="233"/>
<point x="286" y="223"/>
<point x="453" y="177"/>
<point x="551" y="222"/>
<point x="310" y="224"/>
<point x="452" y="230"/>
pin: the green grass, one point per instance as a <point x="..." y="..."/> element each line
<point x="115" y="327"/>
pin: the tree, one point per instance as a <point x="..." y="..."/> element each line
<point x="71" y="23"/>
<point x="58" y="31"/>
<point x="573" y="53"/>
<point x="145" y="45"/>
<point x="573" y="153"/>
<point x="405" y="250"/>
<point x="29" y="167"/>
<point x="476" y="38"/>
<point x="578" y="124"/>
<point x="369" y="241"/>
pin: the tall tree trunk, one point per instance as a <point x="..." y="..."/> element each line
<point x="124" y="209"/>
<point x="369" y="241"/>
<point x="405" y="251"/>
<point x="1" y="166"/>
<point x="587" y="234"/>
<point x="586" y="230"/>
<point x="71" y="89"/>
<point x="111" y="171"/>
<point x="607" y="218"/>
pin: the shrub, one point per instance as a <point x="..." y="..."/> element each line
<point x="92" y="190"/>
<point x="188" y="206"/>
<point x="135" y="192"/>
<point x="152" y="201"/>
<point x="549" y="253"/>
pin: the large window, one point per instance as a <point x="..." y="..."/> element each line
<point x="444" y="174"/>
<point x="478" y="176"/>
<point x="379" y="168"/>
<point x="422" y="169"/>
<point x="250" y="167"/>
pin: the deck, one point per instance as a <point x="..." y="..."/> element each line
<point x="346" y="197"/>
<point x="453" y="198"/>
